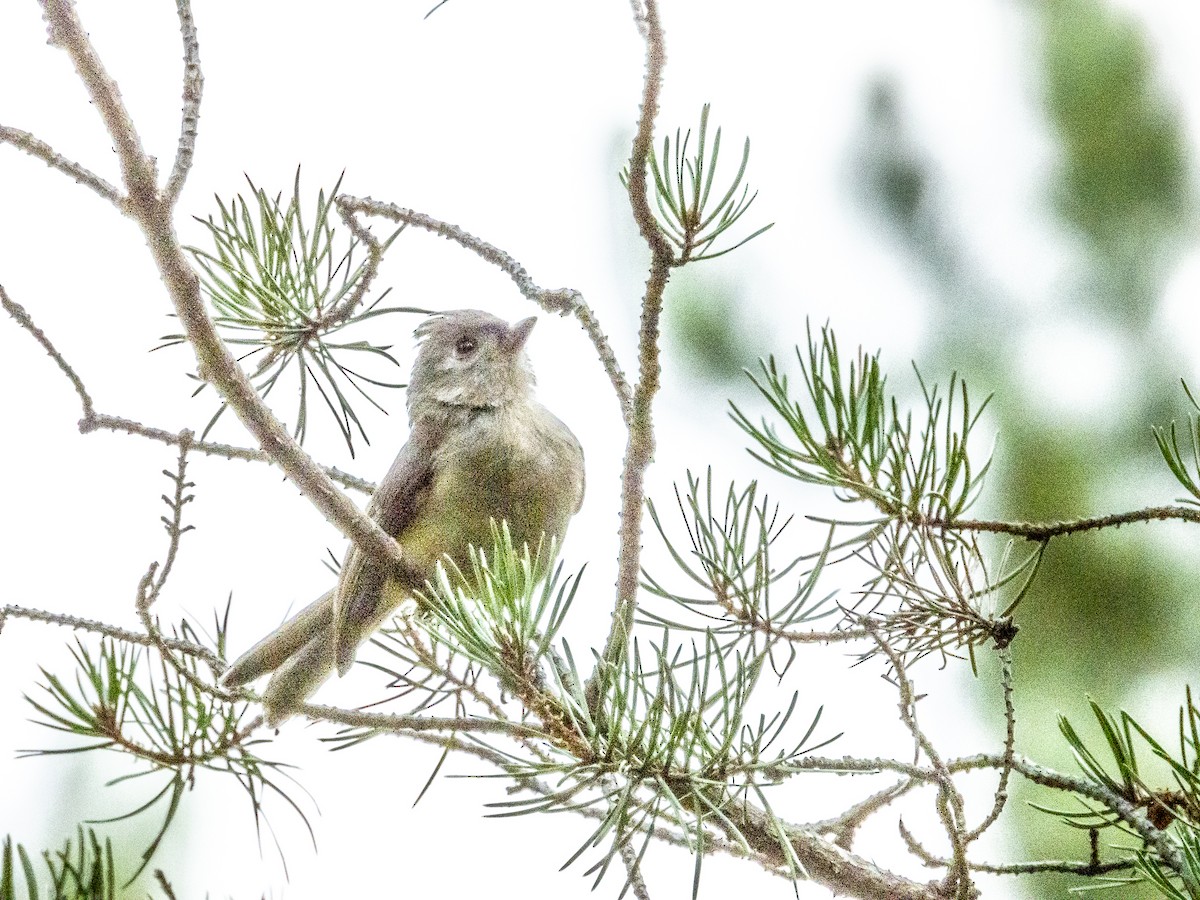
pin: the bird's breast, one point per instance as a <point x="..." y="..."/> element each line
<point x="520" y="466"/>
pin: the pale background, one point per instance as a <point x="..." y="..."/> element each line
<point x="511" y="120"/>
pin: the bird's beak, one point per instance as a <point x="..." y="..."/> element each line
<point x="517" y="335"/>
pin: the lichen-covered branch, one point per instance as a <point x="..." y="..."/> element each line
<point x="112" y="631"/>
<point x="216" y="364"/>
<point x="560" y="301"/>
<point x="1044" y="531"/>
<point x="23" y="140"/>
<point x="189" y="119"/>
<point x="94" y="421"/>
<point x="639" y="448"/>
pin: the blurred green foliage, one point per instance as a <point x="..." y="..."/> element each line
<point x="705" y="327"/>
<point x="1097" y="619"/>
<point x="1123" y="181"/>
<point x="1121" y="185"/>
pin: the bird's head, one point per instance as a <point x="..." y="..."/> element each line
<point x="470" y="358"/>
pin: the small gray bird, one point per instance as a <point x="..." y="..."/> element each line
<point x="480" y="448"/>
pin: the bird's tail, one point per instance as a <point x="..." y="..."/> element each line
<point x="299" y="652"/>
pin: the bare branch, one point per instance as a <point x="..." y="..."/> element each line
<point x="137" y="168"/>
<point x="23" y="140"/>
<point x="1160" y="839"/>
<point x="151" y="585"/>
<point x="639" y="449"/>
<point x="844" y="826"/>
<point x="630" y="858"/>
<point x="949" y="800"/>
<point x="100" y="421"/>
<point x="1043" y="531"/>
<point x="346" y="306"/>
<point x="18" y="312"/>
<point x="560" y="301"/>
<point x="1087" y="869"/>
<point x="824" y="862"/>
<point x="94" y="421"/>
<point x="193" y="88"/>
<point x="215" y="363"/>
<point x="1010" y="748"/>
<point x="403" y="725"/>
<point x="112" y="631"/>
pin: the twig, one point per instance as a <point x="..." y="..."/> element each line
<point x="400" y="724"/>
<point x="23" y="140"/>
<point x="100" y="421"/>
<point x="112" y="631"/>
<point x="640" y="446"/>
<point x="94" y="421"/>
<point x="1042" y="531"/>
<point x="342" y="310"/>
<point x="560" y="301"/>
<point x="152" y="583"/>
<point x="1089" y="868"/>
<point x="138" y="170"/>
<point x="215" y="363"/>
<point x="748" y="615"/>
<point x="18" y="312"/>
<point x="1010" y="740"/>
<point x="1128" y="812"/>
<point x="634" y="870"/>
<point x="949" y="802"/>
<point x="847" y="823"/>
<point x="193" y="89"/>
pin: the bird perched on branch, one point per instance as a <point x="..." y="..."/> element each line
<point x="481" y="448"/>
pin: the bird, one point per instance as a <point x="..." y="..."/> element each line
<point x="481" y="451"/>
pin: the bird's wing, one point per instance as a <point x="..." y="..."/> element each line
<point x="397" y="501"/>
<point x="581" y="484"/>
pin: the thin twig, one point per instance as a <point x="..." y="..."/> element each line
<point x="748" y="615"/>
<point x="395" y="723"/>
<point x="949" y="801"/>
<point x="633" y="869"/>
<point x="1162" y="841"/>
<point x="113" y="631"/>
<point x="151" y="585"/>
<point x="22" y="318"/>
<point x="844" y="826"/>
<point x="343" y="309"/>
<point x="1010" y="748"/>
<point x="1086" y="869"/>
<point x="100" y="421"/>
<point x="94" y="421"/>
<point x="560" y="301"/>
<point x="640" y="445"/>
<point x="1042" y="531"/>
<point x="215" y="363"/>
<point x="23" y="140"/>
<point x="193" y="89"/>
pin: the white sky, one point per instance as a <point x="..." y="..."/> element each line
<point x="502" y="118"/>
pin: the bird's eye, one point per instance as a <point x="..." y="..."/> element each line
<point x="465" y="346"/>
